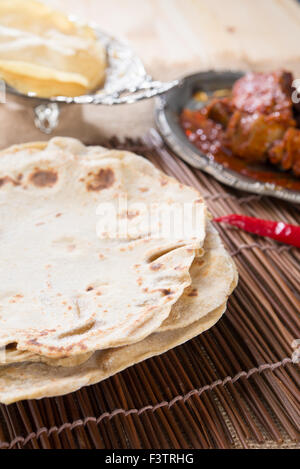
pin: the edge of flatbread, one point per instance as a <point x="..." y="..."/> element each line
<point x="37" y="380"/>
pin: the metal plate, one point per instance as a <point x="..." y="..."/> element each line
<point x="126" y="81"/>
<point x="168" y="109"/>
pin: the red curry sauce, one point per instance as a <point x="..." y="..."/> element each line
<point x="209" y="141"/>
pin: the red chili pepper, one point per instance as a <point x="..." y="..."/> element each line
<point x="282" y="232"/>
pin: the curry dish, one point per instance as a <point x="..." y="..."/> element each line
<point x="254" y="126"/>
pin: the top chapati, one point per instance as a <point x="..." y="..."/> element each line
<point x="43" y="52"/>
<point x="67" y="288"/>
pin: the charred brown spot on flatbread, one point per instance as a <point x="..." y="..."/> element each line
<point x="6" y="179"/>
<point x="12" y="346"/>
<point x="43" y="178"/>
<point x="102" y="180"/>
<point x="199" y="261"/>
<point x="3" y="181"/>
<point x="130" y="214"/>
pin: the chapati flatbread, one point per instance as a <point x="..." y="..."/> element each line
<point x="214" y="276"/>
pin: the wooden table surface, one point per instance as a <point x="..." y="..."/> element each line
<point x="174" y="38"/>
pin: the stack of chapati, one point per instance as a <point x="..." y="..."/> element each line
<point x="105" y="261"/>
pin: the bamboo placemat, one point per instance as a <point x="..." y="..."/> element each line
<point x="235" y="386"/>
